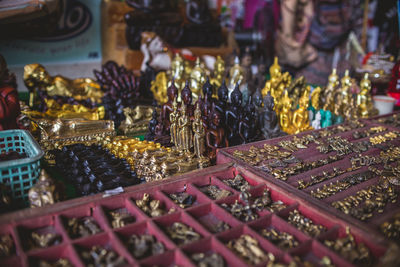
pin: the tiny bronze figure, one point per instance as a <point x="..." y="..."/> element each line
<point x="7" y="247"/>
<point x="44" y="192"/>
<point x="199" y="133"/>
<point x="136" y="120"/>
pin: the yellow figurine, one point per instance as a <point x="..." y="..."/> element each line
<point x="315" y="98"/>
<point x="301" y="120"/>
<point x="236" y="75"/>
<point x="219" y="73"/>
<point x="185" y="133"/>
<point x="197" y="79"/>
<point x="364" y="98"/>
<point x="199" y="133"/>
<point x="164" y="79"/>
<point x="285" y="115"/>
<point x="36" y="77"/>
<point x="173" y="119"/>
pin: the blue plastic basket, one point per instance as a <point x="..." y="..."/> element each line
<point x="21" y="174"/>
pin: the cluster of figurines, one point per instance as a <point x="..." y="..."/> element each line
<point x="181" y="71"/>
<point x="342" y="101"/>
<point x="331" y="105"/>
<point x="213" y="123"/>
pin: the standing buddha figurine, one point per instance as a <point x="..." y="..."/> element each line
<point x="222" y="103"/>
<point x="199" y="133"/>
<point x="285" y="115"/>
<point x="173" y="120"/>
<point x="185" y="133"/>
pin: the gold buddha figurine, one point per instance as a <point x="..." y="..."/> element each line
<point x="185" y="132"/>
<point x="236" y="74"/>
<point x="278" y="82"/>
<point x="345" y="83"/>
<point x="329" y="92"/>
<point x="333" y="79"/>
<point x="364" y="98"/>
<point x="177" y="72"/>
<point x="164" y="79"/>
<point x="301" y="120"/>
<point x="197" y="79"/>
<point x="36" y="77"/>
<point x="159" y="87"/>
<point x="173" y="119"/>
<point x="315" y="97"/>
<point x="136" y="120"/>
<point x="44" y="192"/>
<point x="285" y="114"/>
<point x="219" y="73"/>
<point x="199" y="133"/>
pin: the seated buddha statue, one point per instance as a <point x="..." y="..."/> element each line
<point x="37" y="78"/>
<point x="300" y="121"/>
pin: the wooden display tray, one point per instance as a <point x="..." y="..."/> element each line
<point x="310" y="154"/>
<point x="199" y="216"/>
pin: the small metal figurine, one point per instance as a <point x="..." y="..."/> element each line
<point x="37" y="78"/>
<point x="199" y="133"/>
<point x="270" y="124"/>
<point x="185" y="133"/>
<point x="173" y="119"/>
<point x="9" y="103"/>
<point x="44" y="192"/>
<point x="136" y="120"/>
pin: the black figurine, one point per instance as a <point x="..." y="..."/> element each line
<point x="270" y="124"/>
<point x="232" y="116"/>
<point x="152" y="126"/>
